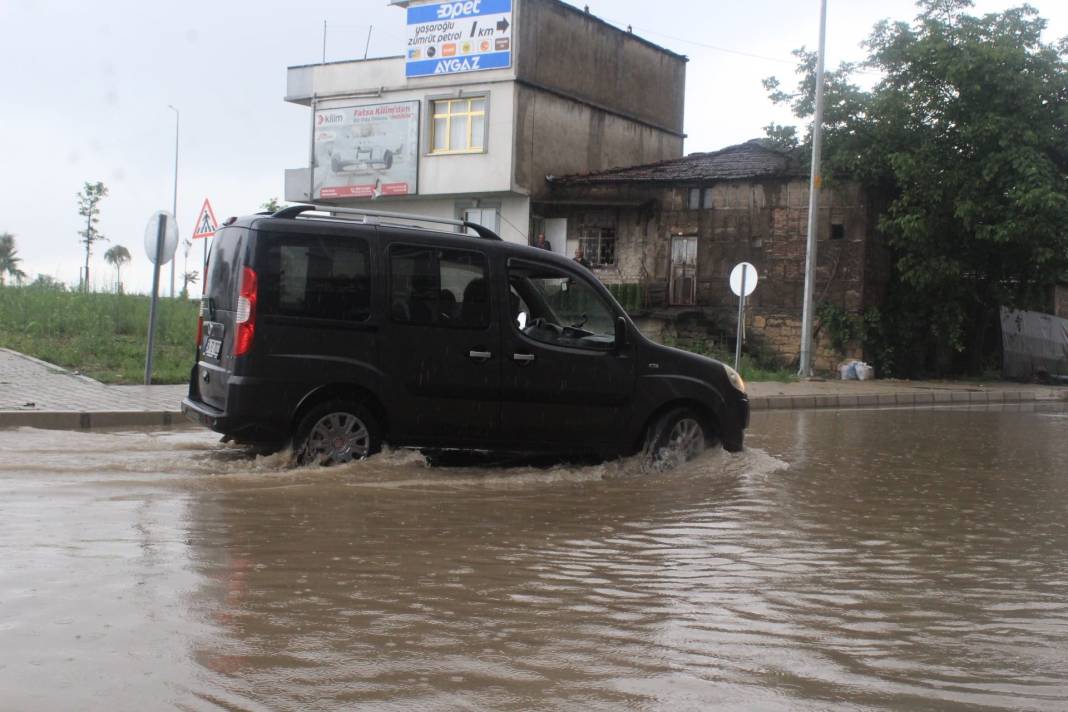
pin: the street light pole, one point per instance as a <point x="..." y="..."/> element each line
<point x="174" y="199"/>
<point x="805" y="368"/>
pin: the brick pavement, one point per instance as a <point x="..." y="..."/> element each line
<point x="38" y="394"/>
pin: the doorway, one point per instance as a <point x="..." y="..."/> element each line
<point x="683" y="288"/>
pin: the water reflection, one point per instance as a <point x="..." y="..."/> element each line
<point x="884" y="559"/>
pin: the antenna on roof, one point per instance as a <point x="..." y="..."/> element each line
<point x="368" y="45"/>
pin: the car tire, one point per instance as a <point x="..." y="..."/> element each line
<point x="677" y="436"/>
<point x="336" y="432"/>
<point x="387" y="159"/>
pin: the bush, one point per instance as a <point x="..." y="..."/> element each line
<point x="101" y="335"/>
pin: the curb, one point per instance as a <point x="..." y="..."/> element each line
<point x="72" y="420"/>
<point x="896" y="400"/>
<point x="76" y="420"/>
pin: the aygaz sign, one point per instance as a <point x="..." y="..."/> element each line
<point x="459" y="36"/>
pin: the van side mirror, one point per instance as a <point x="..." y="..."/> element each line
<point x="621" y="333"/>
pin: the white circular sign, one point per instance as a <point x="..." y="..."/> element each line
<point x="750" y="279"/>
<point x="170" y="236"/>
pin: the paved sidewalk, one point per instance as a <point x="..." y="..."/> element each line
<point x="892" y="392"/>
<point x="39" y="394"/>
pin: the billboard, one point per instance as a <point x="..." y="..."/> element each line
<point x="366" y="151"/>
<point x="455" y="37"/>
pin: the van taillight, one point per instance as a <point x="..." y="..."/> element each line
<point x="246" y="313"/>
<point x="200" y="331"/>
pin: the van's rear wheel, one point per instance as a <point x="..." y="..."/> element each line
<point x="678" y="436"/>
<point x="336" y="432"/>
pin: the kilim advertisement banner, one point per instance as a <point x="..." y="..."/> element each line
<point x="366" y="151"/>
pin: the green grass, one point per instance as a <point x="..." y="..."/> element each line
<point x="753" y="367"/>
<point x="103" y="336"/>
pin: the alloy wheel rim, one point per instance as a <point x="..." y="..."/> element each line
<point x="339" y="437"/>
<point x="687" y="437"/>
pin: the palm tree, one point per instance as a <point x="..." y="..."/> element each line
<point x="187" y="279"/>
<point x="9" y="259"/>
<point x="117" y="256"/>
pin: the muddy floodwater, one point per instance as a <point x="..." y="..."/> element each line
<point x="847" y="560"/>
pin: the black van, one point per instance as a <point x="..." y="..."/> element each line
<point x="337" y="330"/>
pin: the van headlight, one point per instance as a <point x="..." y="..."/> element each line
<point x="735" y="378"/>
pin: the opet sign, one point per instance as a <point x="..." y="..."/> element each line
<point x="458" y="36"/>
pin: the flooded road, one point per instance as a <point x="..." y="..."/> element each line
<point x="847" y="560"/>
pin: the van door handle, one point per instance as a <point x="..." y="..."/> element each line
<point x="523" y="358"/>
<point x="479" y="355"/>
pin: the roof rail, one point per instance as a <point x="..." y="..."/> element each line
<point x="372" y="216"/>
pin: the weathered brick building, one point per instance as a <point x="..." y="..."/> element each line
<point x="677" y="227"/>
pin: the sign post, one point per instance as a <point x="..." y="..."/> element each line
<point x="161" y="239"/>
<point x="743" y="283"/>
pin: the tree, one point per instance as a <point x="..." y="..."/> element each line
<point x="9" y="259"/>
<point x="46" y="281"/>
<point x="117" y="256"/>
<point x="272" y="206"/>
<point x="88" y="207"/>
<point x="187" y="279"/>
<point x="965" y="139"/>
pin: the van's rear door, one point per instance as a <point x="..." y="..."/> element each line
<point x="215" y="359"/>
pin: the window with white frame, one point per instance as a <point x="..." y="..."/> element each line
<point x="598" y="245"/>
<point x="458" y="125"/>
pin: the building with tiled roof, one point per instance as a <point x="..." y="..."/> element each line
<point x="667" y="234"/>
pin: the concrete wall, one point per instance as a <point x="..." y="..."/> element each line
<point x="514" y="210"/>
<point x="373" y="77"/>
<point x="558" y="136"/>
<point x="562" y="48"/>
<point x="450" y="174"/>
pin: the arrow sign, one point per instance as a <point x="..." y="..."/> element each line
<point x="206" y="224"/>
<point x="502" y="26"/>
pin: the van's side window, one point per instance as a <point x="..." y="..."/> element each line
<point x="437" y="287"/>
<point x="558" y="308"/>
<point x="317" y="277"/>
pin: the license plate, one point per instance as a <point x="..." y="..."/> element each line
<point x="212" y="347"/>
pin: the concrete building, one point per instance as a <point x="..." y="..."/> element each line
<point x="676" y="228"/>
<point x="488" y="98"/>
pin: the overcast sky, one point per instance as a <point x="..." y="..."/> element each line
<point x="87" y="87"/>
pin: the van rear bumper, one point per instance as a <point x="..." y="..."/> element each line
<point x="240" y="429"/>
<point x="204" y="414"/>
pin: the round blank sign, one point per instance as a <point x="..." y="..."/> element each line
<point x="750" y="279"/>
<point x="170" y="236"/>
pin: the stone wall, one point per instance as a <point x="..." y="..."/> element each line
<point x="763" y="222"/>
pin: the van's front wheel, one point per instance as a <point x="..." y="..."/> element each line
<point x="336" y="432"/>
<point x="678" y="436"/>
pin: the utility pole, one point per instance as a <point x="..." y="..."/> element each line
<point x="805" y="369"/>
<point x="174" y="198"/>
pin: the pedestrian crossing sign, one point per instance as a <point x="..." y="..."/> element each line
<point x="206" y="224"/>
